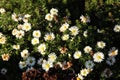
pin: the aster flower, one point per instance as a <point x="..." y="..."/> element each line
<point x="16" y="47"/>
<point x="85" y="33"/>
<point x="49" y="36"/>
<point x="54" y="11"/>
<point x="22" y="64"/>
<point x="5" y="57"/>
<point x="30" y="61"/>
<point x="117" y="28"/>
<point x="37" y="34"/>
<point x="113" y="52"/>
<point x="64" y="27"/>
<point x="20" y="34"/>
<point x="87" y="49"/>
<point x="77" y="54"/>
<point x="101" y="44"/>
<point x="2" y="40"/>
<point x="49" y="17"/>
<point x="74" y="30"/>
<point x="15" y="17"/>
<point x="24" y="54"/>
<point x="65" y="37"/>
<point x="35" y="41"/>
<point x="89" y="64"/>
<point x="52" y="57"/>
<point x="26" y="27"/>
<point x="42" y="48"/>
<point x="85" y="19"/>
<point x="84" y="72"/>
<point x="47" y="65"/>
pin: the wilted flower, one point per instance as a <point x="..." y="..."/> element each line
<point x="5" y="57"/>
<point x="63" y="50"/>
<point x="98" y="57"/>
<point x="20" y="26"/>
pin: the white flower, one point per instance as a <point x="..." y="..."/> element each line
<point x="84" y="72"/>
<point x="16" y="47"/>
<point x="113" y="52"/>
<point x="24" y="54"/>
<point x="26" y="27"/>
<point x="14" y="32"/>
<point x="30" y="61"/>
<point x="35" y="41"/>
<point x="87" y="49"/>
<point x="3" y="71"/>
<point x="37" y="33"/>
<point x="74" y="30"/>
<point x="2" y="40"/>
<point x="42" y="48"/>
<point x="52" y="57"/>
<point x="110" y="60"/>
<point x="54" y="11"/>
<point x="77" y="54"/>
<point x="65" y="37"/>
<point x="101" y="44"/>
<point x="80" y="77"/>
<point x="49" y="36"/>
<point x="85" y="19"/>
<point x="15" y="17"/>
<point x="85" y="33"/>
<point x="1" y="35"/>
<point x="64" y="27"/>
<point x="49" y="17"/>
<point x="20" y="26"/>
<point x="89" y="64"/>
<point x="117" y="28"/>
<point x="2" y="10"/>
<point x="22" y="64"/>
<point x="47" y="65"/>
<point x="20" y="34"/>
<point x="98" y="57"/>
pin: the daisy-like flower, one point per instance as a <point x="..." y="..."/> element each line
<point x="110" y="61"/>
<point x="2" y="10"/>
<point x="65" y="37"/>
<point x="49" y="36"/>
<point x="24" y="54"/>
<point x="54" y="11"/>
<point x="52" y="57"/>
<point x="3" y="71"/>
<point x="113" y="52"/>
<point x="89" y="64"/>
<point x="35" y="41"/>
<point x="16" y="47"/>
<point x="20" y="26"/>
<point x="101" y="44"/>
<point x="87" y="49"/>
<point x="77" y="54"/>
<point x="74" y="30"/>
<point x="84" y="72"/>
<point x="5" y="57"/>
<point x="98" y="57"/>
<point x="64" y="27"/>
<point x="20" y="34"/>
<point x="15" y="17"/>
<point x="14" y="32"/>
<point x="49" y="17"/>
<point x="30" y="61"/>
<point x="26" y="27"/>
<point x="2" y="40"/>
<point x="117" y="28"/>
<point x="85" y="33"/>
<point x="47" y="65"/>
<point x="22" y="64"/>
<point x="80" y="77"/>
<point x="37" y="33"/>
<point x="42" y="48"/>
<point x="85" y="19"/>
